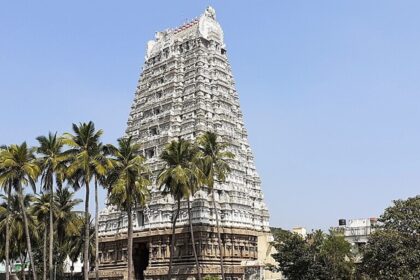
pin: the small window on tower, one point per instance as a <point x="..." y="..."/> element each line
<point x="140" y="218"/>
<point x="153" y="131"/>
<point x="150" y="153"/>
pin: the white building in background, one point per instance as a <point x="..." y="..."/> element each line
<point x="356" y="232"/>
<point x="300" y="230"/>
<point x="75" y="267"/>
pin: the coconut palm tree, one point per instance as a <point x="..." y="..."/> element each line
<point x="214" y="165"/>
<point x="128" y="182"/>
<point x="66" y="218"/>
<point x="101" y="165"/>
<point x="41" y="208"/>
<point x="20" y="168"/>
<point x="67" y="222"/>
<point x="75" y="243"/>
<point x="13" y="212"/>
<point x="83" y="152"/>
<point x="193" y="191"/>
<point x="177" y="179"/>
<point x="53" y="163"/>
<point x="7" y="185"/>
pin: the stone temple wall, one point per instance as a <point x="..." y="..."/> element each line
<point x="186" y="88"/>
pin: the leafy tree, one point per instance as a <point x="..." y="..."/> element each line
<point x="280" y="234"/>
<point x="403" y="216"/>
<point x="210" y="277"/>
<point x="176" y="180"/>
<point x="335" y="251"/>
<point x="84" y="148"/>
<point x="20" y="168"/>
<point x="393" y="250"/>
<point x="52" y="161"/>
<point x="318" y="256"/>
<point x="128" y="181"/>
<point x="214" y="166"/>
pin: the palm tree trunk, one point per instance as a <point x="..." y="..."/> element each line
<point x="130" y="243"/>
<point x="22" y="270"/>
<point x="87" y="228"/>
<point x="197" y="264"/>
<point x="96" y="232"/>
<point x="44" y="253"/>
<point x="7" y="249"/>
<point x="28" y="237"/>
<point x="219" y="239"/>
<point x="51" y="266"/>
<point x="71" y="270"/>
<point x="173" y="240"/>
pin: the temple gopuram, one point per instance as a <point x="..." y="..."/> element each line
<point x="186" y="88"/>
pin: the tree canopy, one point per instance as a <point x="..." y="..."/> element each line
<point x="393" y="250"/>
<point x="317" y="256"/>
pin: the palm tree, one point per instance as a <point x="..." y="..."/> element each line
<point x="12" y="211"/>
<point x="193" y="190"/>
<point x="41" y="208"/>
<point x="66" y="218"/>
<point x="128" y="182"/>
<point x="67" y="221"/>
<point x="177" y="179"/>
<point x="83" y="151"/>
<point x="214" y="165"/>
<point x="21" y="169"/>
<point x="101" y="165"/>
<point x="75" y="243"/>
<point x="7" y="185"/>
<point x="52" y="161"/>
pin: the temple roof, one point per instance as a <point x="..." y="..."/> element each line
<point x="204" y="26"/>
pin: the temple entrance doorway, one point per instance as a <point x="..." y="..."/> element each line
<point x="140" y="260"/>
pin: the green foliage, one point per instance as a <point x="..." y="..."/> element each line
<point x="393" y="250"/>
<point x="83" y="153"/>
<point x="85" y="164"/>
<point x="403" y="216"/>
<point x="20" y="169"/>
<point x="280" y="234"/>
<point x="52" y="160"/>
<point x="74" y="244"/>
<point x="211" y="277"/>
<point x="212" y="161"/>
<point x="319" y="256"/>
<point x="128" y="178"/>
<point x="17" y="231"/>
<point x="180" y="179"/>
<point x="213" y="158"/>
<point x="180" y="175"/>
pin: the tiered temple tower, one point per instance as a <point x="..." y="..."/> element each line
<point x="186" y="87"/>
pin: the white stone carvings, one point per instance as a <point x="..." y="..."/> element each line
<point x="186" y="87"/>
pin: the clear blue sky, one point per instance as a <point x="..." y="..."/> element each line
<point x="330" y="90"/>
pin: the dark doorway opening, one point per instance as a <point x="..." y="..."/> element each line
<point x="140" y="260"/>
